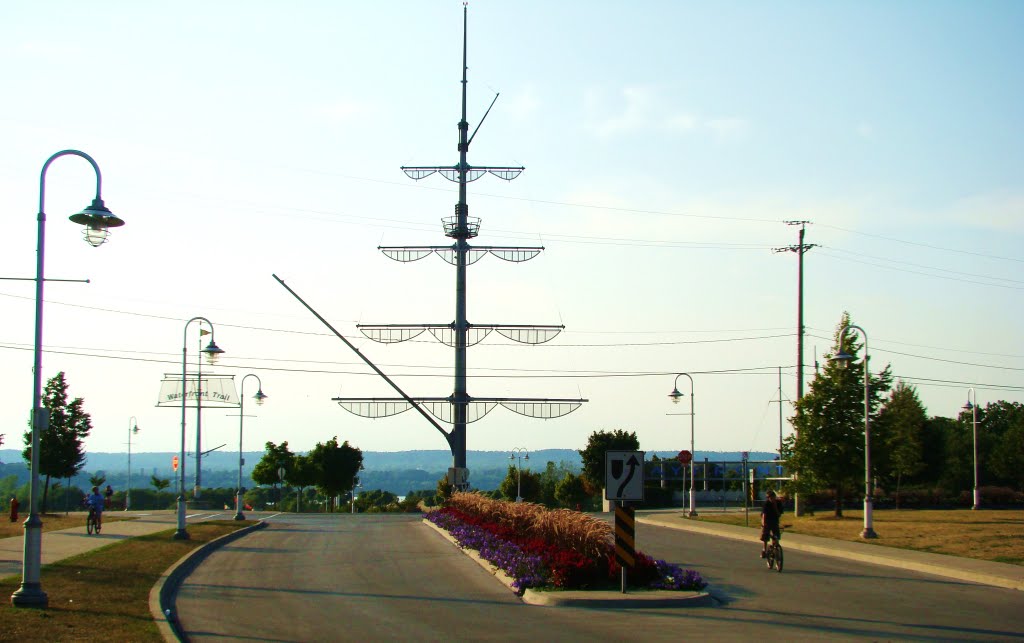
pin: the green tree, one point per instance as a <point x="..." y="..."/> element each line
<point x="570" y="491"/>
<point x="827" y="449"/>
<point x="337" y="466"/>
<point x="274" y="457"/>
<point x="303" y="474"/>
<point x="444" y="489"/>
<point x="61" y="446"/>
<point x="1001" y="444"/>
<point x="97" y="479"/>
<point x="934" y="436"/>
<point x="525" y="480"/>
<point x="900" y="423"/>
<point x="159" y="483"/>
<point x="600" y="442"/>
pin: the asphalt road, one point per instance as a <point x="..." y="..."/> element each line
<point x="389" y="577"/>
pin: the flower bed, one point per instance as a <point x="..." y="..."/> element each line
<point x="561" y="549"/>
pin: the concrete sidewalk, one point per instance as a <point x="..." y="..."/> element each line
<point x="58" y="545"/>
<point x="966" y="569"/>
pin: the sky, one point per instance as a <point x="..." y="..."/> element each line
<point x="665" y="145"/>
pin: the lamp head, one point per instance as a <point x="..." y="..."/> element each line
<point x="675" y="395"/>
<point x="97" y="220"/>
<point x="843" y="358"/>
<point x="968" y="406"/>
<point x="526" y="457"/>
<point x="135" y="429"/>
<point x="259" y="397"/>
<point x="212" y="353"/>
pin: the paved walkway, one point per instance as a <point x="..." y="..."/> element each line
<point x="966" y="569"/>
<point x="58" y="545"/>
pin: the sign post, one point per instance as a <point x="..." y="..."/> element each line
<point x="624" y="481"/>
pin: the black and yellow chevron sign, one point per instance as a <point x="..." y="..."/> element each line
<point x="625" y="534"/>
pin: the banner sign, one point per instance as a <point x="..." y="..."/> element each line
<point x="217" y="391"/>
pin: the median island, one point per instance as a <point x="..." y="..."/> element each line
<point x="542" y="553"/>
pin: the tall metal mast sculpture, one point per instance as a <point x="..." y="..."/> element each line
<point x="460" y="408"/>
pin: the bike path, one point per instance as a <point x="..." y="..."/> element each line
<point x="966" y="569"/>
<point x="58" y="545"/>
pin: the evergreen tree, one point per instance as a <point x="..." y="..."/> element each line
<point x="61" y="446"/>
<point x="827" y="449"/>
<point x="900" y="425"/>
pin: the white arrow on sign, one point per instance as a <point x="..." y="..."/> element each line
<point x="624" y="475"/>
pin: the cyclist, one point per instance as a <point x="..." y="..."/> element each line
<point x="95" y="503"/>
<point x="771" y="511"/>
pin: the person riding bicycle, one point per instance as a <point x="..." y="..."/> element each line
<point x="95" y="503"/>
<point x="771" y="511"/>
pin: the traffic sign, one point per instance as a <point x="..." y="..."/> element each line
<point x="174" y="463"/>
<point x="624" y="475"/>
<point x="280" y="474"/>
<point x="685" y="457"/>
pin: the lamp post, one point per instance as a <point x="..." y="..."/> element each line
<point x="212" y="352"/>
<point x="973" y="408"/>
<point x="845" y="358"/>
<point x="133" y="427"/>
<point x="675" y="395"/>
<point x="354" y="487"/>
<point x="259" y="397"/>
<point x="97" y="219"/>
<point x="522" y="454"/>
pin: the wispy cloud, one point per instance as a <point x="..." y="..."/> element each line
<point x="641" y="108"/>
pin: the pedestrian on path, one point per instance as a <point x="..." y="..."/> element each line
<point x="14" y="509"/>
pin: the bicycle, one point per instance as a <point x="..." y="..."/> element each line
<point x="773" y="556"/>
<point x="92" y="523"/>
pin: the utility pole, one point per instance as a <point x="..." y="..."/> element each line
<point x="460" y="408"/>
<point x="800" y="248"/>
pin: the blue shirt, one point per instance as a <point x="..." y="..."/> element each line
<point x="95" y="501"/>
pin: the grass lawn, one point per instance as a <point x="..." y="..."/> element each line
<point x="54" y="521"/>
<point x="985" y="534"/>
<point x="103" y="594"/>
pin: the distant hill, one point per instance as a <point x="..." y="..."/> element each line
<point x="395" y="471"/>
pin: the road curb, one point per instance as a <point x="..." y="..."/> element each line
<point x="596" y="599"/>
<point x="161" y="597"/>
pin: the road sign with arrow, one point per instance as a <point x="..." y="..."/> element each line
<point x="624" y="475"/>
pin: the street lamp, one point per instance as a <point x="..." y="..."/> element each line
<point x="133" y="427"/>
<point x="259" y="397"/>
<point x="212" y="352"/>
<point x="522" y="454"/>
<point x="97" y="219"/>
<point x="845" y="358"/>
<point x="675" y="395"/>
<point x="354" y="487"/>
<point x="973" y="408"/>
